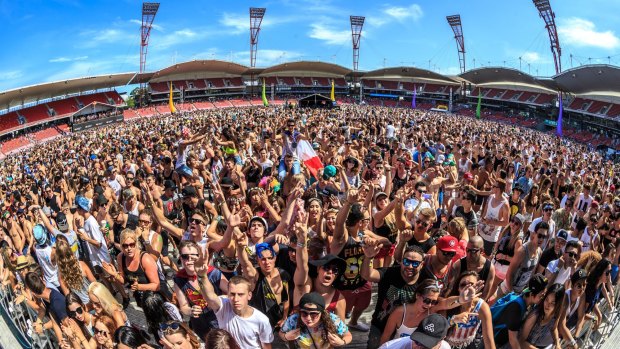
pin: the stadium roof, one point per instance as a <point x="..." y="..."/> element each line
<point x="507" y="78"/>
<point x="198" y="69"/>
<point x="303" y="68"/>
<point x="596" y="79"/>
<point x="34" y="93"/>
<point x="408" y="73"/>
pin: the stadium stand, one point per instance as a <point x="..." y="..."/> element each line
<point x="8" y="121"/>
<point x="598" y="107"/>
<point x="36" y="113"/>
<point x="64" y="106"/>
<point x="14" y="144"/>
<point x="579" y="104"/>
<point x="95" y="97"/>
<point x="46" y="134"/>
<point x="203" y="105"/>
<point x="129" y="114"/>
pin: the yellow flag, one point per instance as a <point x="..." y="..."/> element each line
<point x="333" y="94"/>
<point x="173" y="109"/>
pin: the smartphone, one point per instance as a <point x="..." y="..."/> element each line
<point x="426" y="196"/>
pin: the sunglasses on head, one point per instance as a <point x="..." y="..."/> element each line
<point x="130" y="245"/>
<point x="411" y="263"/>
<point x="73" y="313"/>
<point x="187" y="256"/>
<point x="429" y="301"/>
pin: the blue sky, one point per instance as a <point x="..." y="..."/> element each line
<point x="49" y="40"/>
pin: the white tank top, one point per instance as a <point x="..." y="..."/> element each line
<point x="50" y="271"/>
<point x="586" y="240"/>
<point x="491" y="232"/>
<point x="402" y="330"/>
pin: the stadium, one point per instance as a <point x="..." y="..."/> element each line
<point x="576" y="109"/>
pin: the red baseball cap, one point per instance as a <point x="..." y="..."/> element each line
<point x="447" y="243"/>
<point x="468" y="176"/>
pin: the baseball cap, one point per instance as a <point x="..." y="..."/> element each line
<point x="262" y="247"/>
<point x="330" y="259"/>
<point x="40" y="234"/>
<point x="431" y="331"/>
<point x="468" y="176"/>
<point x="312" y="298"/>
<point x="548" y="206"/>
<point x="562" y="234"/>
<point x="447" y="243"/>
<point x="61" y="222"/>
<point x="328" y="191"/>
<point x="82" y="203"/>
<point x="189" y="191"/>
<point x="329" y="171"/>
<point x="260" y="219"/>
<point x="537" y="284"/>
<point x="168" y="184"/>
<point x="377" y="195"/>
<point x="579" y="274"/>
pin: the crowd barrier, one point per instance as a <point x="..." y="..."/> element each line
<point x="19" y="319"/>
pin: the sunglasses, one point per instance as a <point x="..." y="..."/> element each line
<point x="429" y="301"/>
<point x="465" y="284"/>
<point x="311" y="314"/>
<point x="548" y="209"/>
<point x="197" y="221"/>
<point x="331" y="268"/>
<point x="101" y="332"/>
<point x="169" y="327"/>
<point x="187" y="256"/>
<point x="422" y="223"/>
<point x="411" y="263"/>
<point x="142" y="221"/>
<point x="473" y="250"/>
<point x="572" y="254"/>
<point x="448" y="254"/>
<point x="543" y="236"/>
<point x="78" y="310"/>
<point x="422" y="191"/>
<point x="131" y="245"/>
<point x="580" y="285"/>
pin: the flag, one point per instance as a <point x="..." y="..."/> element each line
<point x="265" y="101"/>
<point x="306" y="154"/>
<point x="173" y="109"/>
<point x="558" y="129"/>
<point x="415" y="95"/>
<point x="479" y="103"/>
<point x="333" y="94"/>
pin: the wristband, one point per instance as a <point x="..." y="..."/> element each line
<point x="301" y="245"/>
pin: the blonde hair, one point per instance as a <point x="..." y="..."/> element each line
<point x="107" y="300"/>
<point x="457" y="227"/>
<point x="130" y="234"/>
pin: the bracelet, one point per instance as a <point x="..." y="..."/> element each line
<point x="301" y="244"/>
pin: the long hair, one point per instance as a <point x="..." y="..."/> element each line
<point x="108" y="302"/>
<point x="557" y="290"/>
<point x="328" y="325"/>
<point x="186" y="332"/>
<point x="595" y="274"/>
<point x="73" y="298"/>
<point x="68" y="265"/>
<point x="455" y="288"/>
<point x="129" y="336"/>
<point x="108" y="322"/>
<point x="154" y="312"/>
<point x="220" y="339"/>
<point x="588" y="260"/>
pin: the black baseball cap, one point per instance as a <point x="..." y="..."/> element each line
<point x="432" y="330"/>
<point x="537" y="284"/>
<point x="312" y="298"/>
<point x="189" y="191"/>
<point x="168" y="184"/>
<point x="330" y="259"/>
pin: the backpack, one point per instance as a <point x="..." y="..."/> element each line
<point x="498" y="308"/>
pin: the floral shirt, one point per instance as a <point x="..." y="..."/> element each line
<point x="314" y="340"/>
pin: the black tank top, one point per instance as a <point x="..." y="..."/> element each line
<point x="139" y="274"/>
<point x="52" y="203"/>
<point x="514" y="207"/>
<point x="168" y="177"/>
<point x="353" y="254"/>
<point x="425" y="246"/>
<point x="483" y="275"/>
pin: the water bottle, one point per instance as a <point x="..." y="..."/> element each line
<point x="104" y="225"/>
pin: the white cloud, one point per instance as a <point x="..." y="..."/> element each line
<point x="531" y="57"/>
<point x="154" y="26"/>
<point x="77" y="69"/>
<point x="329" y="35"/>
<point x="265" y="58"/>
<point x="10" y="75"/>
<point x="67" y="59"/>
<point x="376" y="21"/>
<point x="240" y="24"/>
<point x="178" y="37"/>
<point x="582" y="33"/>
<point x="94" y="38"/>
<point x="413" y="12"/>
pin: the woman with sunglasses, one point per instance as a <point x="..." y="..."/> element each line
<point x="104" y="330"/>
<point x="78" y="312"/>
<point x="575" y="307"/>
<point x="313" y="327"/>
<point x="597" y="288"/>
<point x="104" y="303"/>
<point x="177" y="335"/>
<point x="138" y="269"/>
<point x="187" y="290"/>
<point x="540" y="329"/>
<point x="469" y="317"/>
<point x="158" y="311"/>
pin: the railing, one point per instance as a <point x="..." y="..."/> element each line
<point x="611" y="317"/>
<point x="19" y="318"/>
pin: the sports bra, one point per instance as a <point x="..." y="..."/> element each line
<point x="403" y="330"/>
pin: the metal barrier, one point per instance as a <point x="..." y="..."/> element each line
<point x="611" y="317"/>
<point x="19" y="318"/>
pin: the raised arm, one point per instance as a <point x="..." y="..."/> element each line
<point x="371" y="249"/>
<point x="340" y="231"/>
<point x="247" y="269"/>
<point x="300" y="277"/>
<point x="206" y="289"/>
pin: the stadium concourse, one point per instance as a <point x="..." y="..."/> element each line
<point x="393" y="216"/>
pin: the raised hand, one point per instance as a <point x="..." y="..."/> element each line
<point x="234" y="220"/>
<point x="405" y="235"/>
<point x="371" y="247"/>
<point x="353" y="196"/>
<point x="335" y="340"/>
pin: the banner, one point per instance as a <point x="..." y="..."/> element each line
<point x="450" y="103"/>
<point x="558" y="129"/>
<point x="479" y="103"/>
<point x="173" y="109"/>
<point x="415" y="94"/>
<point x="333" y="94"/>
<point x="265" y="101"/>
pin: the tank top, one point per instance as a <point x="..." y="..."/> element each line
<point x="541" y="335"/>
<point x="487" y="231"/>
<point x="483" y="274"/>
<point x="505" y="249"/>
<point x="388" y="230"/>
<point x="586" y="240"/>
<point x="168" y="177"/>
<point x="403" y="330"/>
<point x="514" y="207"/>
<point x="353" y="255"/>
<point x="134" y="210"/>
<point x="571" y="308"/>
<point x="138" y="274"/>
<point x="52" y="203"/>
<point x="264" y="298"/>
<point x="526" y="269"/>
<point x="425" y="246"/>
<point x="207" y="319"/>
<point x="331" y="307"/>
<point x="461" y="335"/>
<point x="50" y="271"/>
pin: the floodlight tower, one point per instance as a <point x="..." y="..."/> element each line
<point x="357" y="22"/>
<point x="457" y="28"/>
<point x="149" y="10"/>
<point x="546" y="13"/>
<point x="256" y="18"/>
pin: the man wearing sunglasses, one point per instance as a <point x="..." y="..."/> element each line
<point x="475" y="261"/>
<point x="396" y="285"/>
<point x="437" y="266"/>
<point x="548" y="210"/>
<point x="560" y="270"/>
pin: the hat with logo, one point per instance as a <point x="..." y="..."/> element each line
<point x="61" y="222"/>
<point x="562" y="234"/>
<point x="447" y="243"/>
<point x="431" y="331"/>
<point x="329" y="171"/>
<point x="312" y="298"/>
<point x="40" y="234"/>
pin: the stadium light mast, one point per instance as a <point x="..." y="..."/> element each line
<point x="357" y="22"/>
<point x="149" y="10"/>
<point x="457" y="28"/>
<point x="256" y="18"/>
<point x="546" y="13"/>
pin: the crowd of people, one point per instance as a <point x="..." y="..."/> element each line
<point x="260" y="227"/>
